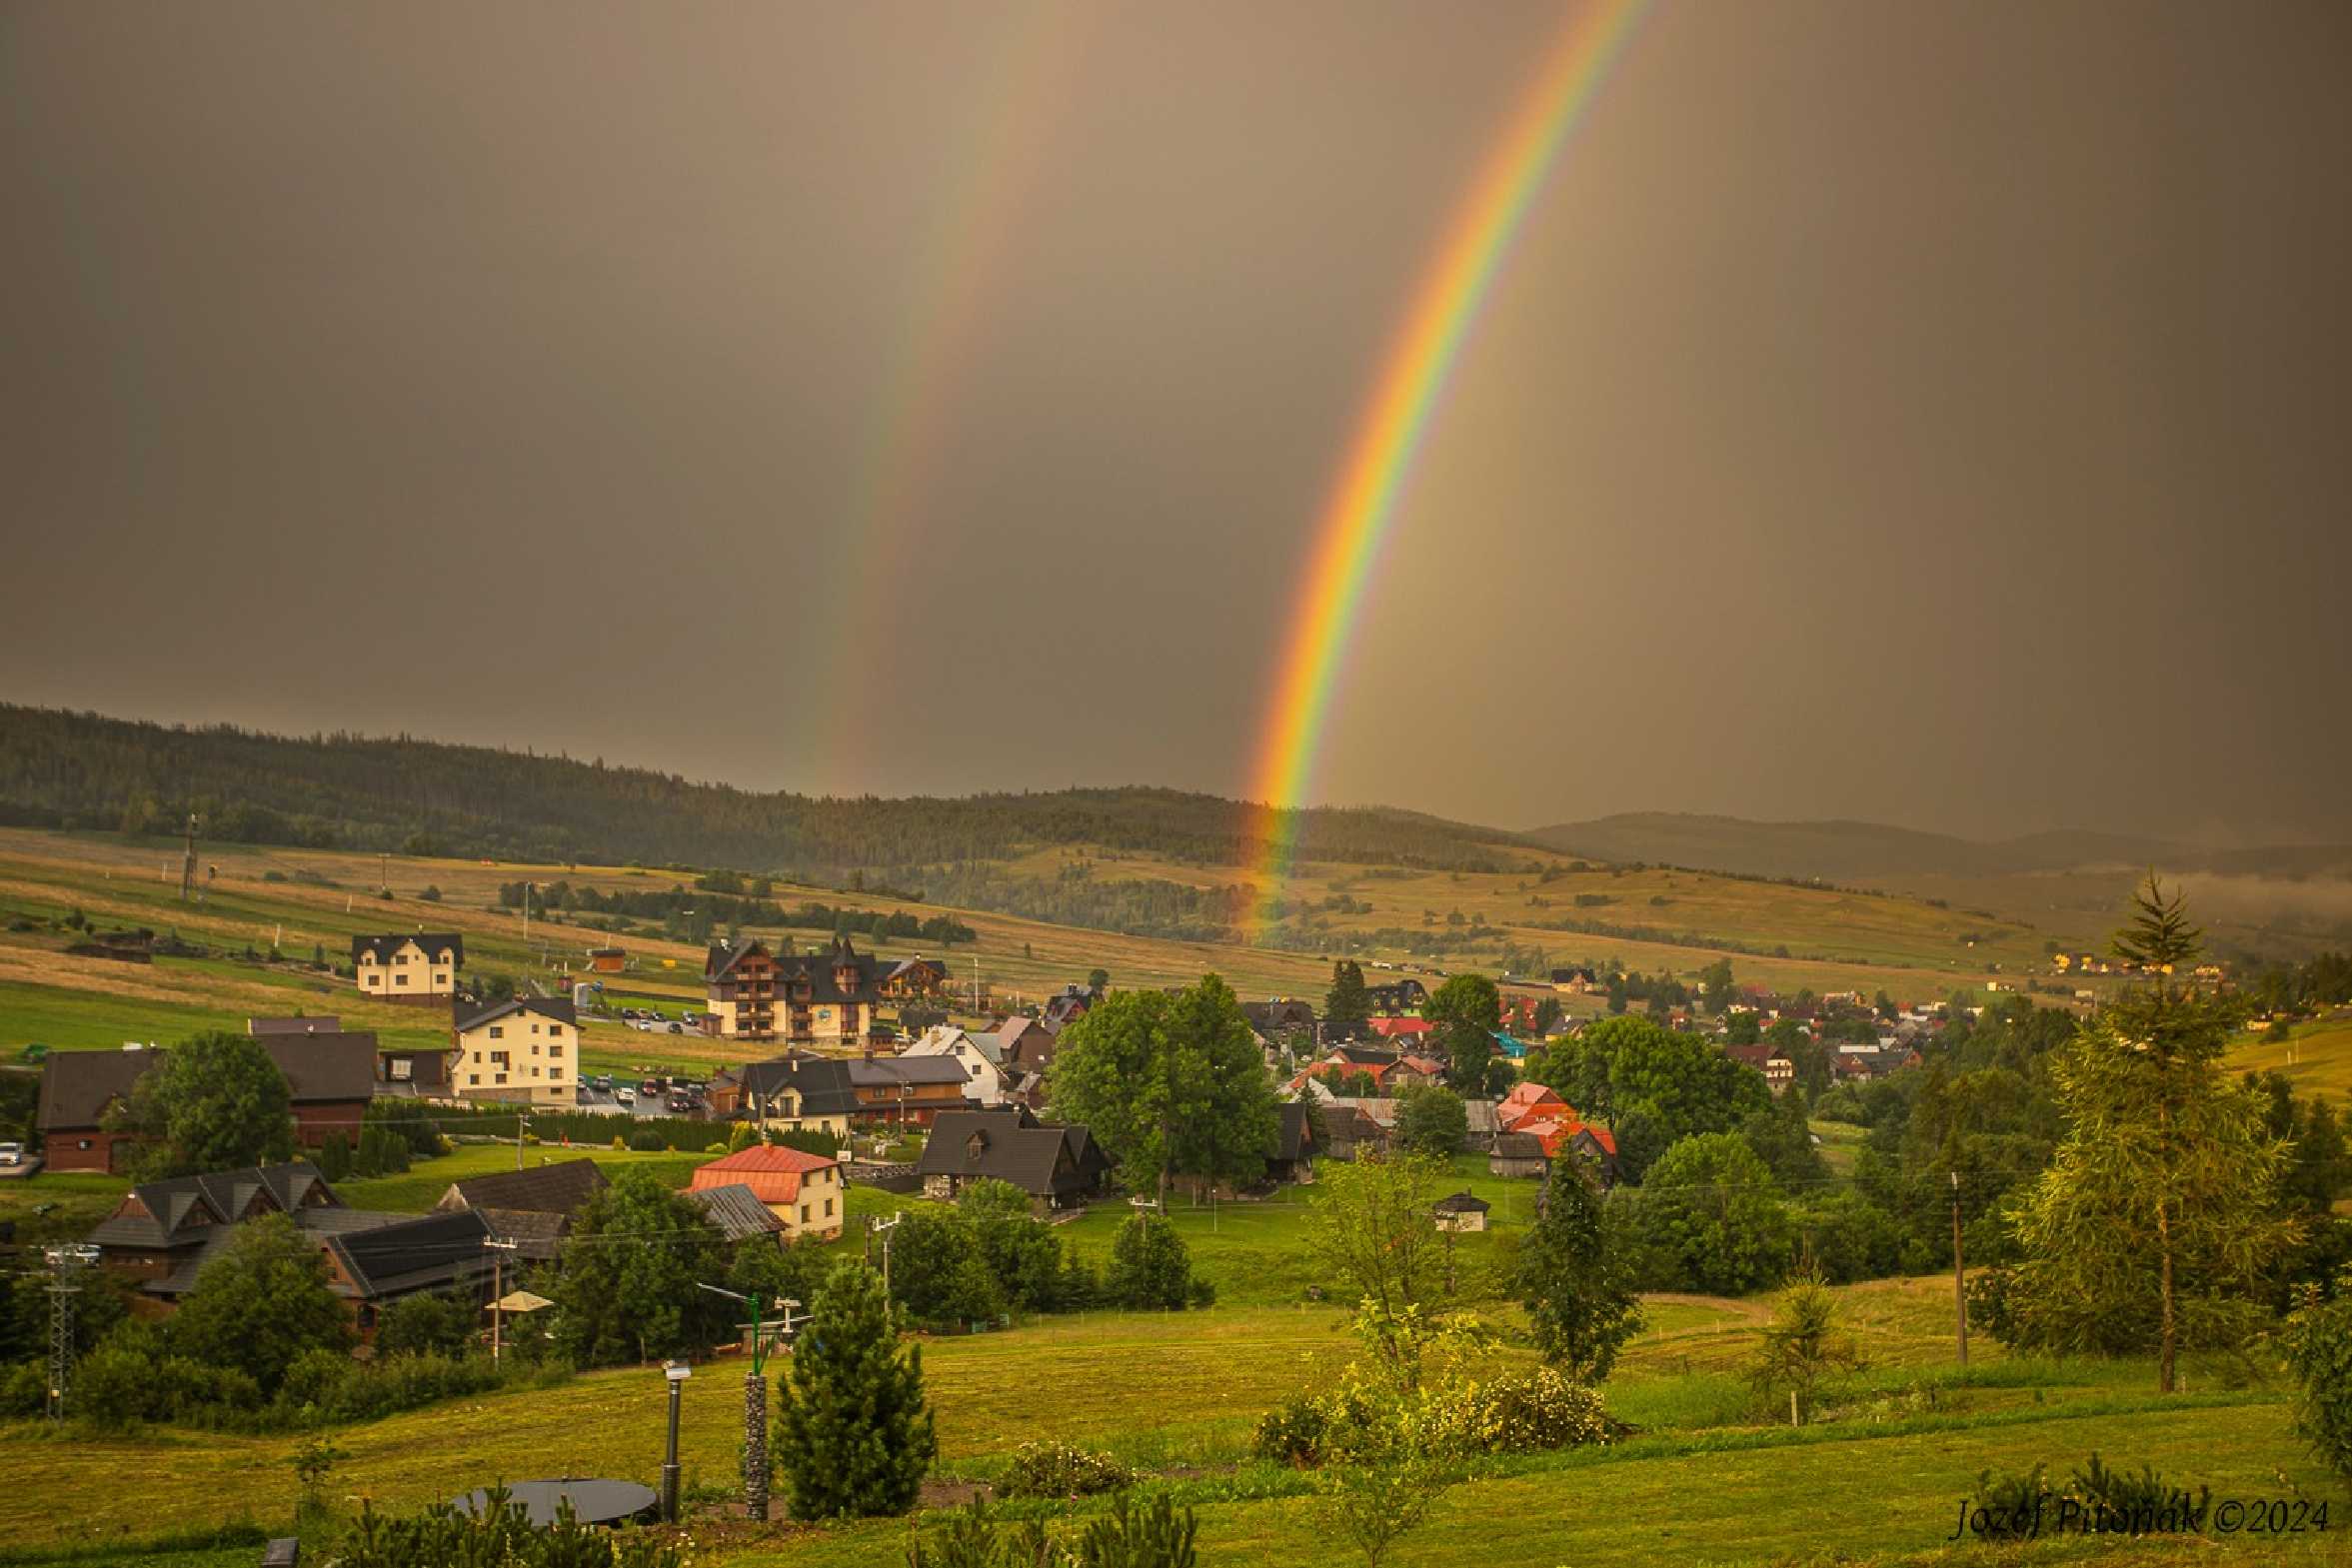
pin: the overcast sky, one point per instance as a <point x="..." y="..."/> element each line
<point x="1931" y="413"/>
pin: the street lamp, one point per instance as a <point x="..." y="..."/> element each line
<point x="882" y="1228"/>
<point x="676" y="1373"/>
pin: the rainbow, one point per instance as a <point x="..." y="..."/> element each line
<point x="1027" y="81"/>
<point x="1388" y="434"/>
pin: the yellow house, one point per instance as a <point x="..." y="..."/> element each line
<point x="418" y="967"/>
<point x="526" y="1051"/>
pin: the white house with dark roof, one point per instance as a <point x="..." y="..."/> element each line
<point x="525" y="1049"/>
<point x="976" y="1055"/>
<point x="417" y="966"/>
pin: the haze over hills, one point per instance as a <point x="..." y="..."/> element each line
<point x="1849" y="852"/>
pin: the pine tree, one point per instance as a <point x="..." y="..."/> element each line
<point x="1347" y="1007"/>
<point x="1577" y="1280"/>
<point x="855" y="1432"/>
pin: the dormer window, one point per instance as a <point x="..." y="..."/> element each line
<point x="974" y="1145"/>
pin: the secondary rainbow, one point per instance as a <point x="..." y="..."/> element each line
<point x="1363" y="502"/>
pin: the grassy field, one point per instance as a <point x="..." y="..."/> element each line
<point x="1708" y="1477"/>
<point x="2317" y="1059"/>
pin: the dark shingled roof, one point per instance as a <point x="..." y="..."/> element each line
<point x="816" y="970"/>
<point x="1293" y="1140"/>
<point x="430" y="1251"/>
<point x="431" y="942"/>
<point x="1463" y="1203"/>
<point x="822" y="1082"/>
<point x="1043" y="1160"/>
<point x="181" y="1209"/>
<point x="562" y="1188"/>
<point x="737" y="1210"/>
<point x="885" y="1072"/>
<point x="1518" y="1145"/>
<point x="78" y="1086"/>
<point x="325" y="1067"/>
<point x="465" y="1014"/>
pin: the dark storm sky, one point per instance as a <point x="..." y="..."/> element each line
<point x="1934" y="413"/>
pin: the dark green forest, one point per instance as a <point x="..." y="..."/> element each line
<point x="396" y="792"/>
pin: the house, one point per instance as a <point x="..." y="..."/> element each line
<point x="910" y="979"/>
<point x="420" y="968"/>
<point x="1022" y="1041"/>
<point x="976" y="1053"/>
<point x="1283" y="1016"/>
<point x="315" y="1024"/>
<point x="1413" y="1070"/>
<point x="1347" y="1130"/>
<point x="525" y="1049"/>
<point x="1574" y="982"/>
<point x="1067" y="1006"/>
<point x="329" y="1078"/>
<point x="1779" y="1073"/>
<point x="1396" y="998"/>
<point x="739" y="1215"/>
<point x="1517" y="1154"/>
<point x="824" y="997"/>
<point x="78" y="1089"/>
<point x="1756" y="1055"/>
<point x="908" y="1091"/>
<point x="534" y="1207"/>
<point x="1400" y="1028"/>
<point x="799" y="1093"/>
<point x="163" y="1233"/>
<point x="159" y="1225"/>
<point x="803" y="1190"/>
<point x="1526" y="1099"/>
<point x="608" y="960"/>
<point x="1463" y="1212"/>
<point x="1295" y="1144"/>
<point x="1058" y="1166"/>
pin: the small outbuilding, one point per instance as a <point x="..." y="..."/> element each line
<point x="1463" y="1211"/>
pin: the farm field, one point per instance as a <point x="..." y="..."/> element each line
<point x="1708" y="1477"/>
<point x="2318" y="1059"/>
<point x="320" y="898"/>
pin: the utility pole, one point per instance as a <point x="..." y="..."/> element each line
<point x="65" y="1265"/>
<point x="383" y="870"/>
<point x="518" y="1115"/>
<point x="882" y="1228"/>
<point x="188" y="862"/>
<point x="498" y="1290"/>
<point x="1959" y="1277"/>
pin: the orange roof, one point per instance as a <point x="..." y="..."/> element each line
<point x="772" y="1172"/>
<point x="1527" y="1100"/>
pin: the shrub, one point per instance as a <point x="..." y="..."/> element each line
<point x="1059" y="1470"/>
<point x="1517" y="1412"/>
<point x="1293" y="1432"/>
<point x="1151" y="1269"/>
<point x="2317" y="1341"/>
<point x="646" y="1141"/>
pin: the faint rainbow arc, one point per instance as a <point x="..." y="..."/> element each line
<point x="1388" y="434"/>
<point x="1027" y="87"/>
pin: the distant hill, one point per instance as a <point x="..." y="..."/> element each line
<point x="1864" y="853"/>
<point x="423" y="796"/>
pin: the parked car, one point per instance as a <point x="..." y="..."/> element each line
<point x="679" y="1101"/>
<point x="651" y="1088"/>
<point x="624" y="1095"/>
<point x="12" y="1153"/>
<point x="604" y="1080"/>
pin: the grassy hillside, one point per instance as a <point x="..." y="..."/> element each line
<point x="2317" y="1059"/>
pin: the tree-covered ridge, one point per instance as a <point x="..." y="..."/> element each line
<point x="397" y="793"/>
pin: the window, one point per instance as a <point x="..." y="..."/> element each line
<point x="498" y="1078"/>
<point x="372" y="978"/>
<point x="803" y="1213"/>
<point x="497" y="1031"/>
<point x="474" y="1077"/>
<point x="535" y="1073"/>
<point x="829" y="1208"/>
<point x="554" y="1051"/>
<point x="399" y="980"/>
<point x="534" y="1028"/>
<point x="555" y="1030"/>
<point x="535" y="1047"/>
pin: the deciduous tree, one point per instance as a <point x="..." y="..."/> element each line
<point x="1576" y="1279"/>
<point x="215" y="1103"/>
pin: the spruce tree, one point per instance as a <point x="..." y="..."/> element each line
<point x="1347" y="1007"/>
<point x="1576" y="1279"/>
<point x="855" y="1433"/>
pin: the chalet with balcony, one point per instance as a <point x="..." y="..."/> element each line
<point x="819" y="998"/>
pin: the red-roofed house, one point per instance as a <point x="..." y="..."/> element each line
<point x="1525" y="1100"/>
<point x="1401" y="1028"/>
<point x="802" y="1189"/>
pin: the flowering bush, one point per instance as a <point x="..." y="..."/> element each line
<point x="1513" y="1413"/>
<point x="1058" y="1470"/>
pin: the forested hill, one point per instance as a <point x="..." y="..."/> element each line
<point x="357" y="792"/>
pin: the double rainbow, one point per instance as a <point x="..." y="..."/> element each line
<point x="1388" y="434"/>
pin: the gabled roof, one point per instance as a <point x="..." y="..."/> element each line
<point x="178" y="1211"/>
<point x="78" y="1086"/>
<point x="1042" y="1160"/>
<point x="940" y="1039"/>
<point x="819" y="971"/>
<point x="433" y="1249"/>
<point x="1295" y="1137"/>
<point x="774" y="1174"/>
<point x="737" y="1210"/>
<point x="559" y="1187"/>
<point x="1518" y="1145"/>
<point x="432" y="944"/>
<point x="325" y="1068"/>
<point x="1462" y="1203"/>
<point x="823" y="1084"/>
<point x="464" y="1014"/>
